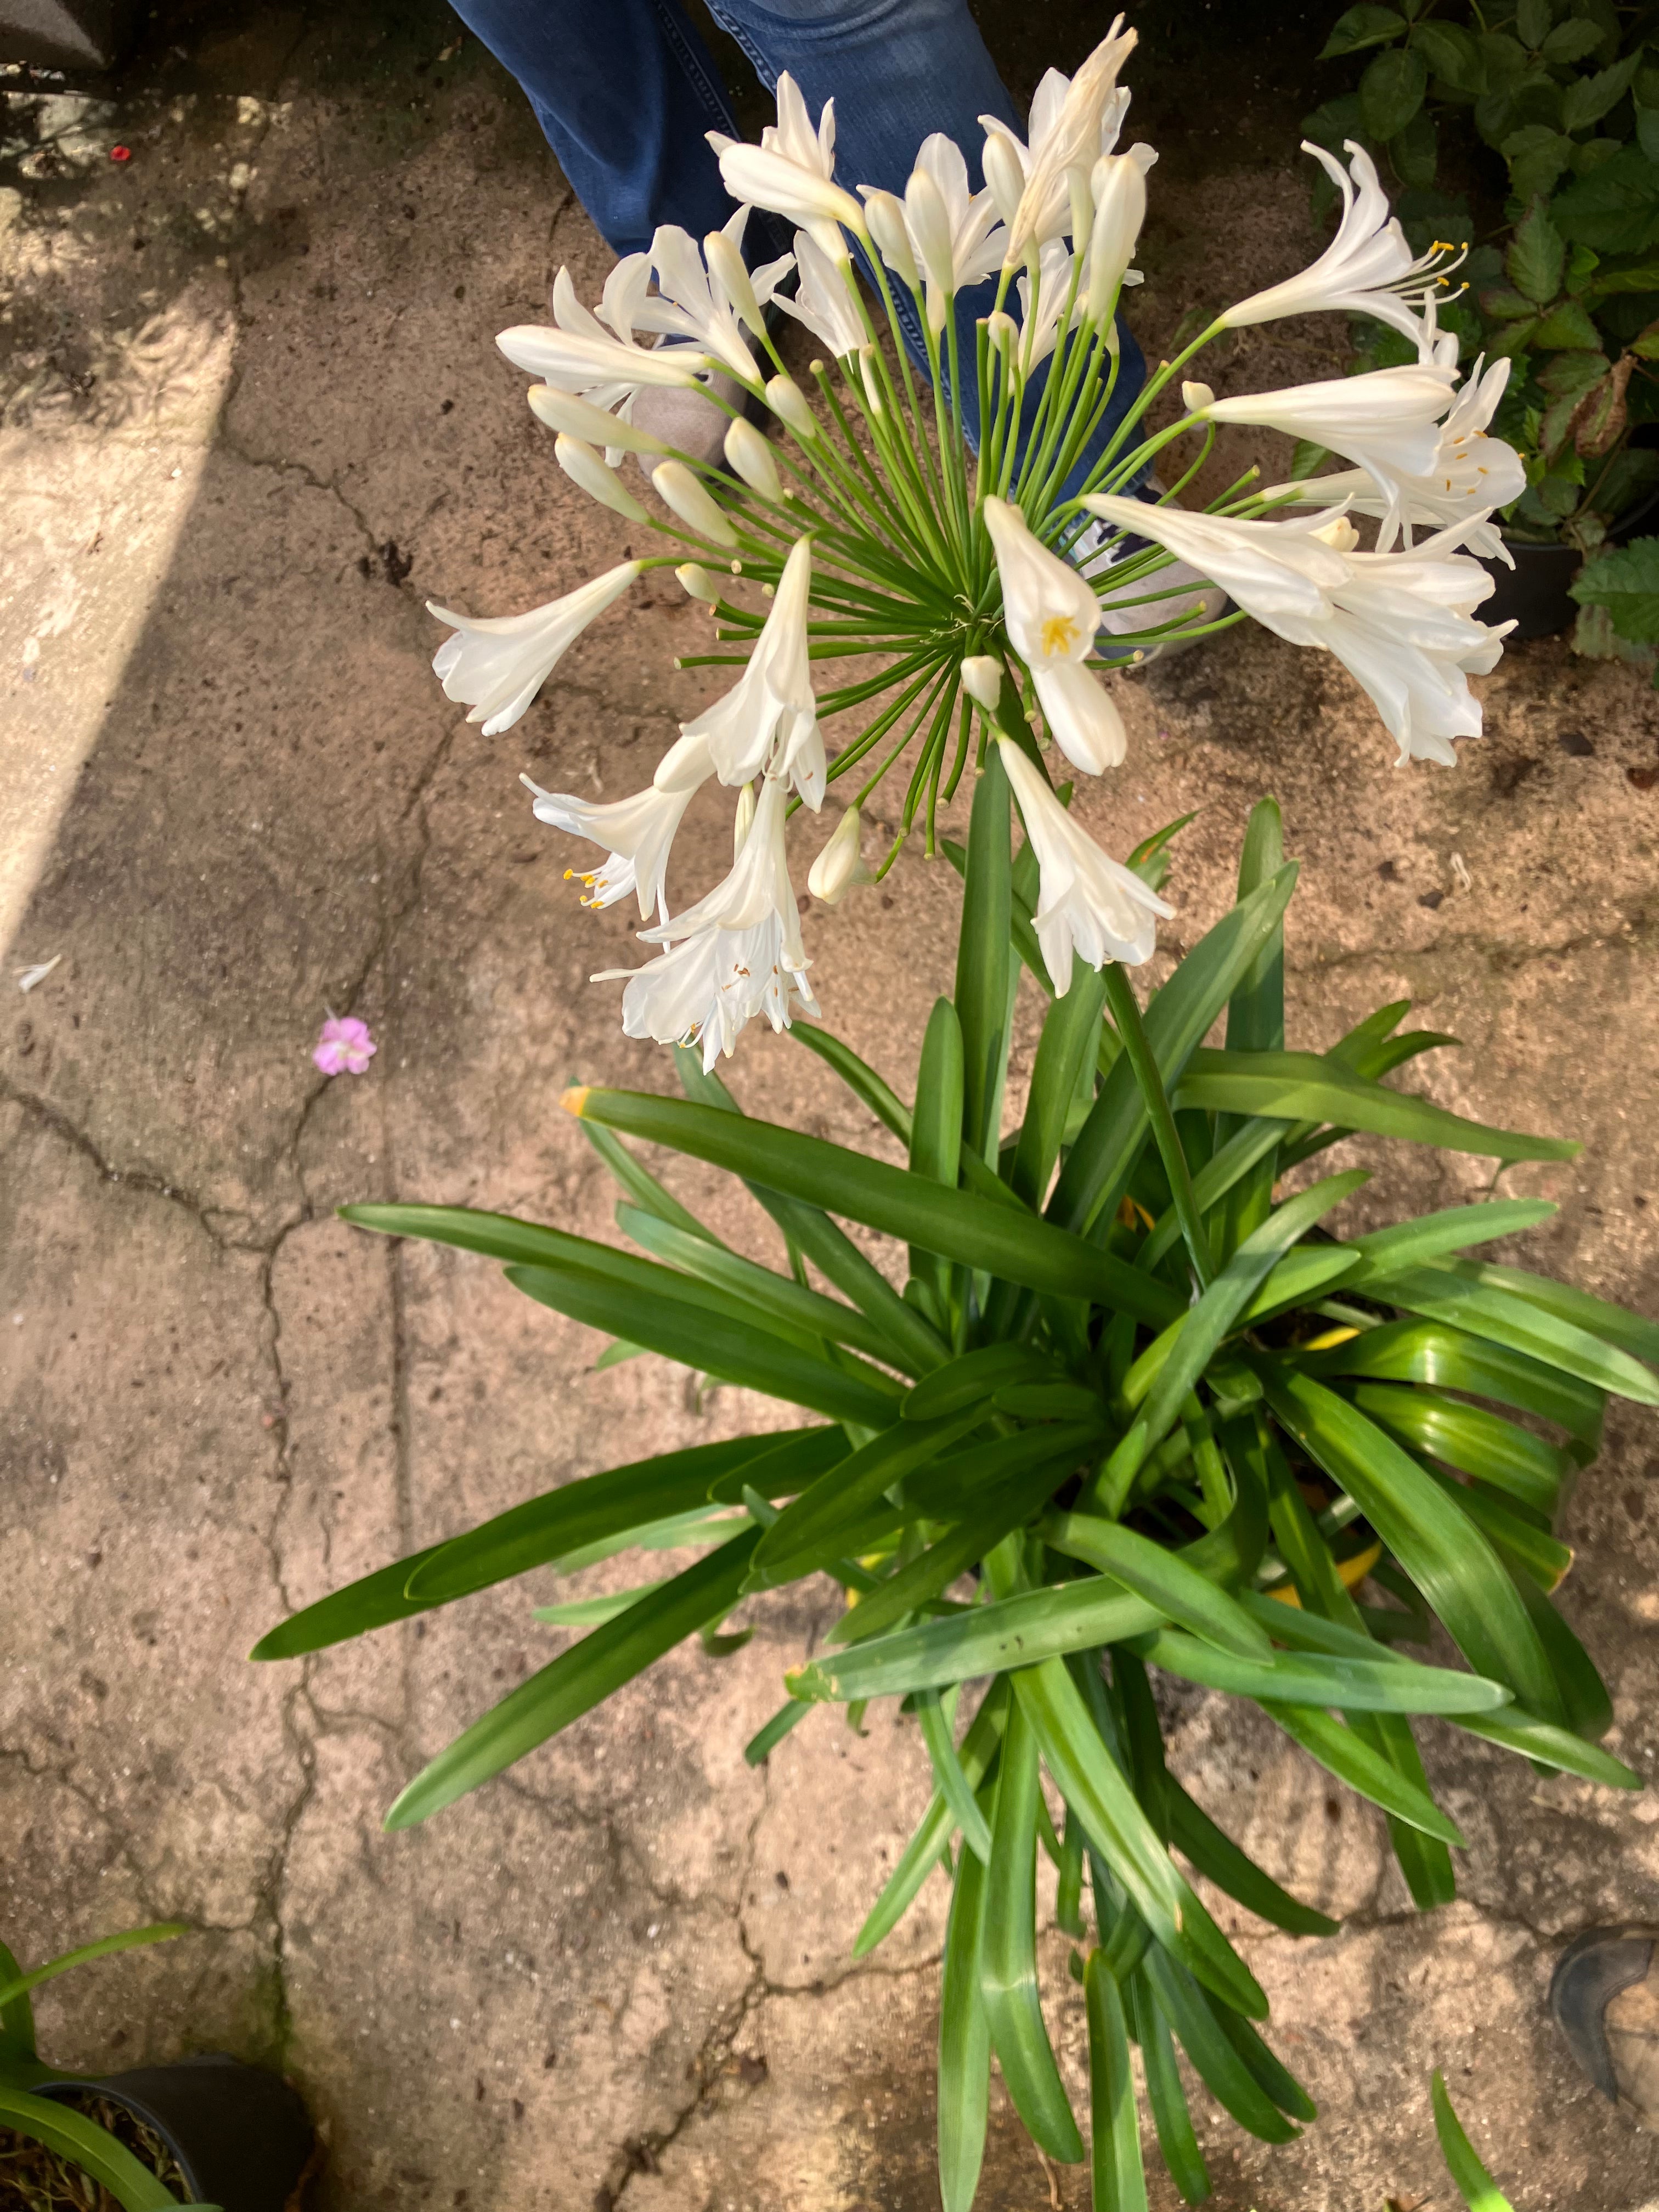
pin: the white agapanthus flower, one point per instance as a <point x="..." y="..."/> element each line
<point x="769" y="720"/>
<point x="822" y="299"/>
<point x="1387" y="420"/>
<point x="953" y="232"/>
<point x="1401" y="623"/>
<point x="577" y="354"/>
<point x="636" y="832"/>
<point x="735" y="954"/>
<point x="496" y="664"/>
<point x="701" y="299"/>
<point x="1367" y="268"/>
<point x="1469" y="474"/>
<point x="1052" y="616"/>
<point x="1072" y="122"/>
<point x="1090" y="907"/>
<point x="793" y="172"/>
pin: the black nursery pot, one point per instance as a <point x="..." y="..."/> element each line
<point x="240" y="2134"/>
<point x="1535" y="593"/>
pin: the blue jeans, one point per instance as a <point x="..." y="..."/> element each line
<point x="625" y="90"/>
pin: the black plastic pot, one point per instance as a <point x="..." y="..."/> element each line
<point x="240" y="2134"/>
<point x="1534" y="595"/>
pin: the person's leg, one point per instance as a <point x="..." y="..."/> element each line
<point x="625" y="90"/>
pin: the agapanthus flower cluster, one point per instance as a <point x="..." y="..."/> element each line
<point x="982" y="588"/>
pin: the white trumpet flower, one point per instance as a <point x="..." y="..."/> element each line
<point x="1090" y="907"/>
<point x="1401" y="623"/>
<point x="1073" y="123"/>
<point x="736" y="954"/>
<point x="951" y="233"/>
<point x="580" y="418"/>
<point x="1052" y="616"/>
<point x="751" y="458"/>
<point x="885" y="216"/>
<point x="1469" y="475"/>
<point x="496" y="664"/>
<point x="709" y="303"/>
<point x="575" y="353"/>
<point x="1388" y="421"/>
<point x="824" y="299"/>
<point x="1367" y="268"/>
<point x="792" y="172"/>
<point x="637" y="833"/>
<point x="1118" y="188"/>
<point x="840" y="866"/>
<point x="769" y="719"/>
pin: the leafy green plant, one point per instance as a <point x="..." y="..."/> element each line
<point x="1167" y="1420"/>
<point x="1475" y="2184"/>
<point x="74" y="2136"/>
<point x="1562" y="97"/>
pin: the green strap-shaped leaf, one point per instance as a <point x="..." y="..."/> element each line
<point x="1413" y="1243"/>
<point x="1423" y="1352"/>
<point x="815" y="1525"/>
<point x="765" y="1740"/>
<point x="860" y="1079"/>
<point x="1315" y="1087"/>
<point x="1255" y="1023"/>
<point x="1629" y="1331"/>
<point x="1015" y="1631"/>
<point x="1168" y="2100"/>
<point x="977" y="1753"/>
<point x="1177" y="1017"/>
<point x="983" y="961"/>
<point x="1436" y="1543"/>
<point x="14" y="1985"/>
<point x="1391" y="1685"/>
<point x="953" y="1785"/>
<point x="1118" y="2176"/>
<point x="706" y="1339"/>
<point x="578" y="1680"/>
<point x="642" y="1186"/>
<point x="1519" y="1731"/>
<point x="1164" y="1579"/>
<point x="936" y="1142"/>
<point x="1093" y="1783"/>
<point x="1342" y="1753"/>
<point x="973" y="1378"/>
<point x="1276" y="2078"/>
<point x="1475" y="2184"/>
<point x="1522" y="1546"/>
<point x="1007" y="1955"/>
<point x="72" y="2135"/>
<point x="18" y="2062"/>
<point x="1215" y="1315"/>
<point x="959" y="1225"/>
<point x="808" y="1310"/>
<point x="1224" y="2074"/>
<point x="1448" y="1294"/>
<point x="1480" y="1443"/>
<point x="1220" y="1860"/>
<point x="1071" y="1030"/>
<point x="964" y="2043"/>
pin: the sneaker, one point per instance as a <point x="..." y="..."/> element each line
<point x="687" y="419"/>
<point x="1183" y="594"/>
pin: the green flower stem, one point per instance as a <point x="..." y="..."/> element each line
<point x="855" y="694"/>
<point x="892" y="495"/>
<point x="907" y="734"/>
<point x="1125" y="1009"/>
<point x="850" y="755"/>
<point x="964" y="723"/>
<point x="924" y="776"/>
<point x="1149" y="393"/>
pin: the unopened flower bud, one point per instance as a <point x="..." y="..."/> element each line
<point x="679" y="490"/>
<point x="587" y="467"/>
<point x="1339" y="533"/>
<point x="885" y="214"/>
<point x="1120" y="193"/>
<point x="788" y="402"/>
<point x="982" y="679"/>
<point x="930" y="223"/>
<point x="870" y="381"/>
<point x="726" y="264"/>
<point x="1003" y="172"/>
<point x="698" y="583"/>
<point x="751" y="458"/>
<point x="840" y="864"/>
<point x="580" y="418"/>
<point x="1196" y="398"/>
<point x="1083" y="205"/>
<point x="1004" y="333"/>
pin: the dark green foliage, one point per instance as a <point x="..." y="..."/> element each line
<point x="1171" y="1439"/>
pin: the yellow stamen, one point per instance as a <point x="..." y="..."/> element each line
<point x="1060" y="634"/>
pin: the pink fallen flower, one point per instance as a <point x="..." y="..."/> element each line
<point x="345" y="1046"/>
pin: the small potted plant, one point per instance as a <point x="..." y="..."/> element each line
<point x="1532" y="128"/>
<point x="207" y="2132"/>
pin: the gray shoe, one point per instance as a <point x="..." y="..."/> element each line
<point x="687" y="420"/>
<point x="1604" y="1997"/>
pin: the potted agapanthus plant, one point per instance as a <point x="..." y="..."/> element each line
<point x="1123" y="1401"/>
<point x="151" y="2137"/>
